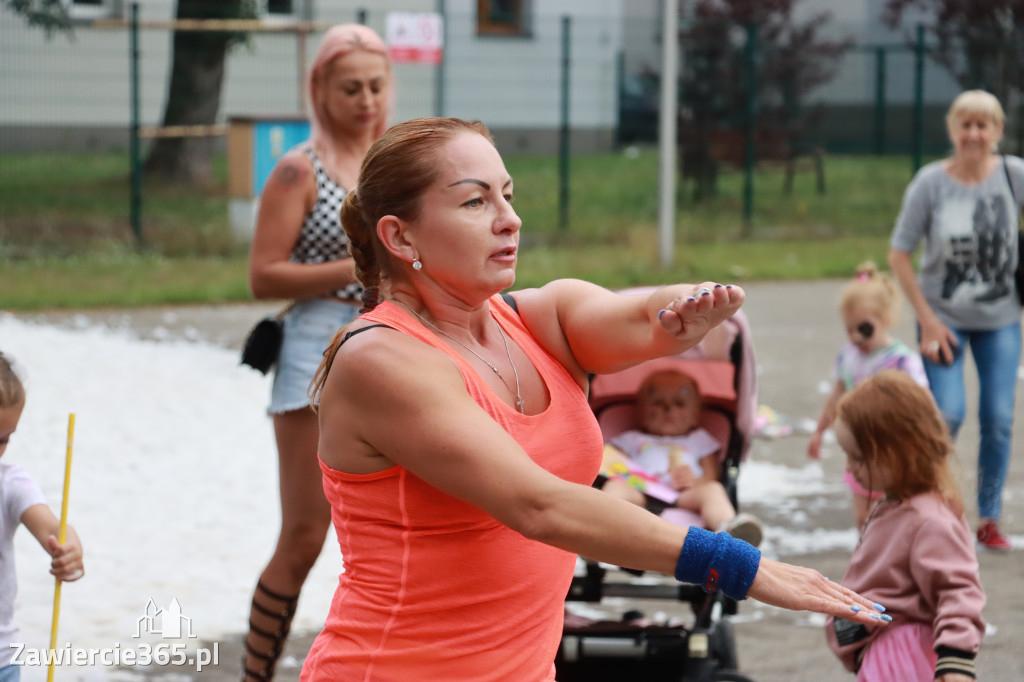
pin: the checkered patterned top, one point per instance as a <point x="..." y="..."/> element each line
<point x="322" y="239"/>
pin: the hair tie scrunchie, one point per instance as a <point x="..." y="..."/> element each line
<point x="718" y="561"/>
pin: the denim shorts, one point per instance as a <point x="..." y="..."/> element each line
<point x="309" y="327"/>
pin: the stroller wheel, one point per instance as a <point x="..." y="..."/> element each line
<point x="722" y="646"/>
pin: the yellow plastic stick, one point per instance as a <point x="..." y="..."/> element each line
<point x="61" y="536"/>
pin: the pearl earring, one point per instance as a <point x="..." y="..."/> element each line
<point x="417" y="265"/>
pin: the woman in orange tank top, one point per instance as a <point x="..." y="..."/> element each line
<point x="455" y="439"/>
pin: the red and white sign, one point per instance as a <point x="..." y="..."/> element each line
<point x="415" y="37"/>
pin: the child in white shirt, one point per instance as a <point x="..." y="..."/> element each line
<point x="21" y="502"/>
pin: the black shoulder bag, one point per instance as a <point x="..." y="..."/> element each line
<point x="263" y="344"/>
<point x="1018" y="275"/>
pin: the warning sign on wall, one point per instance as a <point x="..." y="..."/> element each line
<point x="415" y="37"/>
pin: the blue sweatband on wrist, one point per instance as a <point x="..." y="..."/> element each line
<point x="718" y="561"/>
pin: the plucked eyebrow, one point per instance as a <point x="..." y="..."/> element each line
<point x="376" y="80"/>
<point x="483" y="184"/>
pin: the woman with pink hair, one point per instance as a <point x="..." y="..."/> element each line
<point x="300" y="252"/>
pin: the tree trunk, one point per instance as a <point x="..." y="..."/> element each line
<point x="193" y="98"/>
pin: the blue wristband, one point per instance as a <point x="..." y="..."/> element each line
<point x="718" y="561"/>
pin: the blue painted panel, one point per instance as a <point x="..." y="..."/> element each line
<point x="271" y="139"/>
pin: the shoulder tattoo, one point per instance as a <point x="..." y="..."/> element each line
<point x="288" y="174"/>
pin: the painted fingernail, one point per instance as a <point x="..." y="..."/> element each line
<point x="887" y="618"/>
<point x="718" y="286"/>
<point x="690" y="299"/>
<point x="660" y="313"/>
<point x="876" y="616"/>
<point x="855" y="609"/>
<point x="879" y="607"/>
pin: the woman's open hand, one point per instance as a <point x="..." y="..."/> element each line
<point x="690" y="317"/>
<point x="804" y="589"/>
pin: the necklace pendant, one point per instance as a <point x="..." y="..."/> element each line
<point x="519" y="405"/>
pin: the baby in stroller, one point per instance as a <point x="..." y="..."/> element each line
<point x="611" y="640"/>
<point x="673" y="459"/>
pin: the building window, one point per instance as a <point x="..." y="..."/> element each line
<point x="93" y="9"/>
<point x="279" y="10"/>
<point x="502" y="17"/>
<point x="280" y="7"/>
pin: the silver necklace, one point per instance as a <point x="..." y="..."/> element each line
<point x="519" y="398"/>
<point x="871" y="515"/>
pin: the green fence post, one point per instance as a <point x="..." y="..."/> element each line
<point x="917" y="134"/>
<point x="620" y="81"/>
<point x="1020" y="129"/>
<point x="439" y="70"/>
<point x="749" y="150"/>
<point x="563" y="133"/>
<point x="880" y="100"/>
<point x="135" y="202"/>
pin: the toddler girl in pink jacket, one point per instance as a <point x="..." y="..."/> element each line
<point x="916" y="552"/>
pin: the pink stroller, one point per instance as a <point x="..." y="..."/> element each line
<point x="724" y="368"/>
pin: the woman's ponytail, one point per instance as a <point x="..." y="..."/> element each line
<point x="361" y="241"/>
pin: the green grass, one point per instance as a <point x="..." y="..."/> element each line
<point x="121" y="280"/>
<point x="66" y="241"/>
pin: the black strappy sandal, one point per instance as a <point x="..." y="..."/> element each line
<point x="282" y="616"/>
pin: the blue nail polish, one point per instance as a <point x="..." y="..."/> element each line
<point x="718" y="286"/>
<point x="855" y="609"/>
<point x="691" y="298"/>
<point x="660" y="313"/>
<point x="879" y="607"/>
<point x="728" y="286"/>
<point x="887" y="618"/>
<point x="876" y="616"/>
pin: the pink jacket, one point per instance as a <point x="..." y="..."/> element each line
<point x="917" y="559"/>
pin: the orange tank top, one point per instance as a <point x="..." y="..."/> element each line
<point x="434" y="588"/>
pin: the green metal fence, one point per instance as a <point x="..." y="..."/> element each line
<point x="566" y="88"/>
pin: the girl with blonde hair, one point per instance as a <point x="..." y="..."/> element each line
<point x="868" y="308"/>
